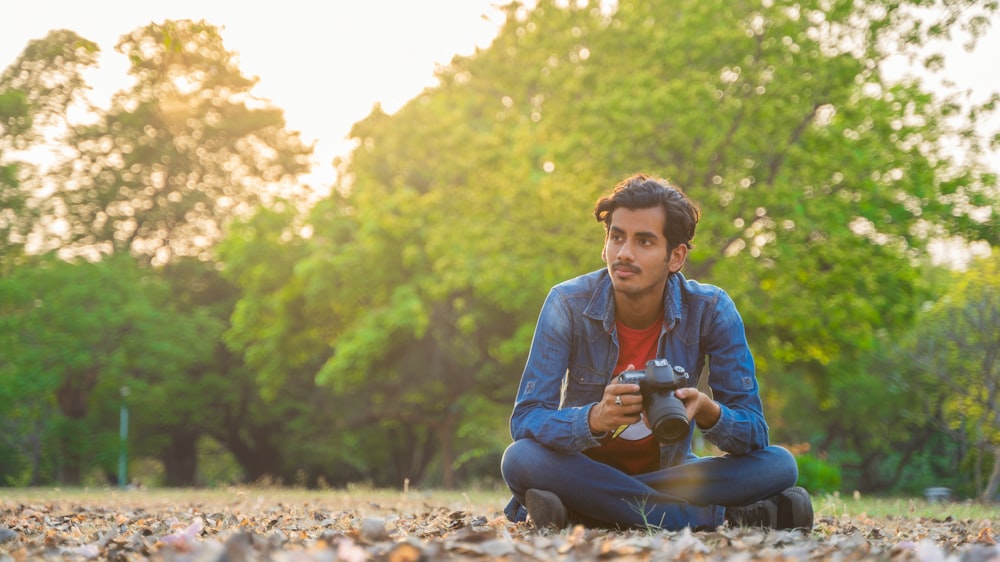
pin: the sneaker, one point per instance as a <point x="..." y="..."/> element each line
<point x="545" y="509"/>
<point x="791" y="509"/>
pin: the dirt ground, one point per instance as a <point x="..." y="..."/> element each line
<point x="361" y="525"/>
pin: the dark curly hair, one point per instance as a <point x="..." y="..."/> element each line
<point x="644" y="192"/>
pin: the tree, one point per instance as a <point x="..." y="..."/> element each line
<point x="280" y="424"/>
<point x="956" y="345"/>
<point x="35" y="92"/>
<point x="73" y="335"/>
<point x="183" y="150"/>
<point x="818" y="178"/>
<point x="180" y="405"/>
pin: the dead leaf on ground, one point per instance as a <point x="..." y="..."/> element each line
<point x="132" y="528"/>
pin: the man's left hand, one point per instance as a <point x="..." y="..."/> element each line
<point x="700" y="407"/>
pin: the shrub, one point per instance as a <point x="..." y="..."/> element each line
<point x="817" y="475"/>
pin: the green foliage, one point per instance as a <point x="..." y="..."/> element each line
<point x="73" y="335"/>
<point x="158" y="176"/>
<point x="423" y="272"/>
<point x="15" y="468"/>
<point x="216" y="466"/>
<point x="937" y="464"/>
<point x="955" y="345"/>
<point x="794" y="146"/>
<point x="36" y="91"/>
<point x="179" y="153"/>
<point x="42" y="83"/>
<point x="280" y="333"/>
<point x="379" y="334"/>
<point x="817" y="475"/>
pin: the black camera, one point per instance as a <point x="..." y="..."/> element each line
<point x="657" y="384"/>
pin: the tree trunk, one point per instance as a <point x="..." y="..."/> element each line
<point x="69" y="473"/>
<point x="70" y="467"/>
<point x="35" y="453"/>
<point x="991" y="487"/>
<point x="74" y="391"/>
<point x="413" y="447"/>
<point x="258" y="457"/>
<point x="446" y="439"/>
<point x="180" y="458"/>
<point x="447" y="457"/>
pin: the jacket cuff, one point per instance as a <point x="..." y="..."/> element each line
<point x="586" y="439"/>
<point x="722" y="428"/>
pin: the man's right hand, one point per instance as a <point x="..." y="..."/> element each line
<point x="620" y="405"/>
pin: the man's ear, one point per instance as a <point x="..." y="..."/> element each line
<point x="677" y="258"/>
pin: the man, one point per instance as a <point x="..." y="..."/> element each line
<point x="583" y="451"/>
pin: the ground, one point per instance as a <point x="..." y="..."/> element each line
<point x="358" y="525"/>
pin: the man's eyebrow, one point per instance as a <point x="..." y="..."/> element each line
<point x="643" y="234"/>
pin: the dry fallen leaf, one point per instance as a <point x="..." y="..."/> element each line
<point x="985" y="536"/>
<point x="254" y="528"/>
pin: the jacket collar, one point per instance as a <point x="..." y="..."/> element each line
<point x="602" y="302"/>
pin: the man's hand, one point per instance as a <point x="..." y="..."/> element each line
<point x="620" y="405"/>
<point x="700" y="407"/>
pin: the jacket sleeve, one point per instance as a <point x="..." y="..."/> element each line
<point x="741" y="427"/>
<point x="537" y="414"/>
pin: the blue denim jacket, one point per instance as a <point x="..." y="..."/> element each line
<point x="575" y="348"/>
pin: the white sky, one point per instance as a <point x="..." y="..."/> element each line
<point x="327" y="62"/>
<point x="324" y="62"/>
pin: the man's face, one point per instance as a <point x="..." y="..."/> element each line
<point x="636" y="252"/>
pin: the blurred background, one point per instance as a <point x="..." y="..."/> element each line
<point x="309" y="248"/>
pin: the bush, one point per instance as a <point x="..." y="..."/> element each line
<point x="817" y="475"/>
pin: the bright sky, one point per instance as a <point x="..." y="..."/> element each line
<point x="327" y="62"/>
<point x="324" y="62"/>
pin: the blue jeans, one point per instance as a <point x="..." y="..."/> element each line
<point x="692" y="494"/>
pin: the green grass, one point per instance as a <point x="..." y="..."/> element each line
<point x="485" y="501"/>
<point x="835" y="505"/>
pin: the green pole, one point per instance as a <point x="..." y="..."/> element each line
<point x="123" y="432"/>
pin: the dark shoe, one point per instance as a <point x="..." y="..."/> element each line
<point x="545" y="509"/>
<point x="791" y="509"/>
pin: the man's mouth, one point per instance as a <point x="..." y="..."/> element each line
<point x="626" y="270"/>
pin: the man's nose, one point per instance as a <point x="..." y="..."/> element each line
<point x="625" y="251"/>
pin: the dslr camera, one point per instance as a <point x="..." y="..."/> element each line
<point x="657" y="384"/>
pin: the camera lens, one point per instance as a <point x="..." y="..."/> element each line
<point x="671" y="429"/>
<point x="668" y="418"/>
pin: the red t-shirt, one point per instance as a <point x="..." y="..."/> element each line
<point x="634" y="450"/>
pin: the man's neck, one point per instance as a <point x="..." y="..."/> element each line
<point x="638" y="311"/>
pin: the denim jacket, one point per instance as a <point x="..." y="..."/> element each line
<point x="575" y="349"/>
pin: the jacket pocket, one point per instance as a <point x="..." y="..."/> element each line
<point x="582" y="386"/>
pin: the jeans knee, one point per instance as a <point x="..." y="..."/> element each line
<point x="516" y="462"/>
<point x="523" y="463"/>
<point x="785" y="466"/>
